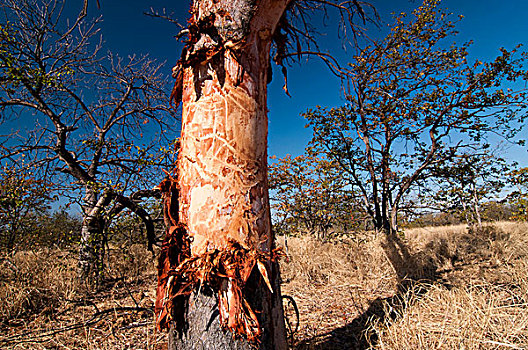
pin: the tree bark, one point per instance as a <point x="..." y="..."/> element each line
<point x="97" y="218"/>
<point x="203" y="329"/>
<point x="476" y="207"/>
<point x="91" y="250"/>
<point x="394" y="219"/>
<point x="222" y="164"/>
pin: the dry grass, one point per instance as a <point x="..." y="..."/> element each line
<point x="486" y="316"/>
<point x="32" y="283"/>
<point x="478" y="299"/>
<point x="482" y="300"/>
<point x="347" y="294"/>
<point x="44" y="306"/>
<point x="333" y="282"/>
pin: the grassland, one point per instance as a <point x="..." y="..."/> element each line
<point x="469" y="290"/>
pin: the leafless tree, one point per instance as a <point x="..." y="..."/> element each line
<point x="94" y="122"/>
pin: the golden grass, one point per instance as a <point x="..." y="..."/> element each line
<point x="43" y="305"/>
<point x="34" y="282"/>
<point x="478" y="300"/>
<point x="481" y="303"/>
<point x="346" y="291"/>
<point x="333" y="282"/>
<point x="486" y="316"/>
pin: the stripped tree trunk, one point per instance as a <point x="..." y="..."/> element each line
<point x="223" y="209"/>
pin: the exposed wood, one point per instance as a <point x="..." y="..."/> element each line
<point x="223" y="204"/>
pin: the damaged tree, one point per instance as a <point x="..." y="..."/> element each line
<point x="218" y="267"/>
<point x="222" y="228"/>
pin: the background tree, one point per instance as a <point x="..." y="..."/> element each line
<point x="57" y="228"/>
<point x="414" y="102"/>
<point x="97" y="120"/>
<point x="518" y="198"/>
<point x="23" y="199"/>
<point x="309" y="194"/>
<point x="218" y="203"/>
<point x="467" y="181"/>
<point x="129" y="230"/>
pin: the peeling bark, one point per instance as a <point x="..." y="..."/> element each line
<point x="204" y="330"/>
<point x="221" y="232"/>
<point x="92" y="242"/>
<point x="246" y="283"/>
<point x="223" y="158"/>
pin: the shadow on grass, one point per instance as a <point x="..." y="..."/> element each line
<point x="358" y="333"/>
<point x="415" y="273"/>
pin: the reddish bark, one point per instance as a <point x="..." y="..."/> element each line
<point x="221" y="228"/>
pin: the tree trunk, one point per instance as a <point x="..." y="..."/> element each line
<point x="222" y="169"/>
<point x="394" y="219"/>
<point x="476" y="207"/>
<point x="466" y="213"/>
<point x="91" y="250"/>
<point x="204" y="330"/>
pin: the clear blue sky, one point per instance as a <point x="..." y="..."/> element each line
<point x="490" y="23"/>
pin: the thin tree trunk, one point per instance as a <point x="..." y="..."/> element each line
<point x="394" y="220"/>
<point x="91" y="250"/>
<point x="222" y="167"/>
<point x="476" y="206"/>
<point x="466" y="212"/>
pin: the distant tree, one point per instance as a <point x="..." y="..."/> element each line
<point x="414" y="102"/>
<point x="497" y="210"/>
<point x="466" y="182"/>
<point x="518" y="198"/>
<point x="97" y="121"/>
<point x="23" y="199"/>
<point x="430" y="218"/>
<point x="57" y="228"/>
<point x="310" y="194"/>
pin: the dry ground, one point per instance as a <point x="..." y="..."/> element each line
<point x="469" y="291"/>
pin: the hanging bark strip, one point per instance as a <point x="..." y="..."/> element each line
<point x="180" y="273"/>
<point x="174" y="251"/>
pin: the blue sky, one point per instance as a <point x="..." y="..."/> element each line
<point x="126" y="30"/>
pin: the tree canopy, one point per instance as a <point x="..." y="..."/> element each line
<point x="100" y="125"/>
<point x="414" y="101"/>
